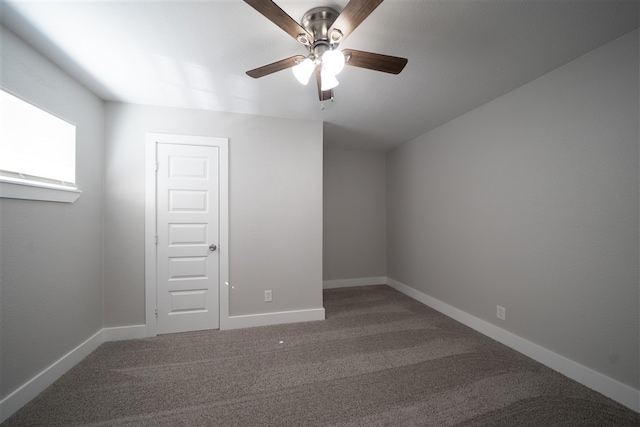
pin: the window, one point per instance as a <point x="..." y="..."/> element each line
<point x="37" y="153"/>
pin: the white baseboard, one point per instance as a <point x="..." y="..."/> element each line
<point x="36" y="385"/>
<point x="125" y="333"/>
<point x="349" y="283"/>
<point x="266" y="319"/>
<point x="25" y="393"/>
<point x="611" y="388"/>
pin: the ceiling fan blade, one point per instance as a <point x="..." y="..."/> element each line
<point x="276" y="66"/>
<point x="352" y="15"/>
<point x="374" y="61"/>
<point x="323" y="95"/>
<point x="279" y="17"/>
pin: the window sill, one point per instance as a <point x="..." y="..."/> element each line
<point x="26" y="190"/>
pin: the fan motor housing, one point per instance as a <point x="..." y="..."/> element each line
<point x="317" y="22"/>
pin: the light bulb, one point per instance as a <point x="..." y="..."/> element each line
<point x="303" y="70"/>
<point x="329" y="81"/>
<point x="333" y="61"/>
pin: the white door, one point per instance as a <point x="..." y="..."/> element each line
<point x="187" y="199"/>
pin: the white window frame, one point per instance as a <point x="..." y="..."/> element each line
<point x="15" y="186"/>
<point x="31" y="190"/>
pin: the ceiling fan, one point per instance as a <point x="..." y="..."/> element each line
<point x="321" y="30"/>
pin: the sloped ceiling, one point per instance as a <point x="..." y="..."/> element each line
<point x="461" y="54"/>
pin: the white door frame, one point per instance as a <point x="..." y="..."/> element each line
<point x="150" y="219"/>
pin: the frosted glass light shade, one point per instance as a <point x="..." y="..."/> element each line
<point x="303" y="70"/>
<point x="333" y="61"/>
<point x="329" y="81"/>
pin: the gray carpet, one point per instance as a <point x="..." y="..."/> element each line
<point x="380" y="358"/>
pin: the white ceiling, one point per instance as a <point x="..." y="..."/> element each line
<point x="462" y="54"/>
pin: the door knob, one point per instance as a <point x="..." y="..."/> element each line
<point x="212" y="247"/>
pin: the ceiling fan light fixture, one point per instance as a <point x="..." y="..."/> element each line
<point x="303" y="70"/>
<point x="333" y="61"/>
<point x="329" y="80"/>
<point x="321" y="31"/>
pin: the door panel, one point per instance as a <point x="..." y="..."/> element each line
<point x="181" y="267"/>
<point x="187" y="224"/>
<point x="187" y="234"/>
<point x="188" y="301"/>
<point x="188" y="201"/>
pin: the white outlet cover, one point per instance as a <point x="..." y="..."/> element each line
<point x="501" y="312"/>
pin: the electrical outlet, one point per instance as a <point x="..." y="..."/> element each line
<point x="268" y="296"/>
<point x="501" y="312"/>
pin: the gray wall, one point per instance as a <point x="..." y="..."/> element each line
<point x="531" y="202"/>
<point x="51" y="271"/>
<point x="275" y="197"/>
<point x="354" y="214"/>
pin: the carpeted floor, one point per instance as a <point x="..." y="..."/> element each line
<point x="380" y="358"/>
